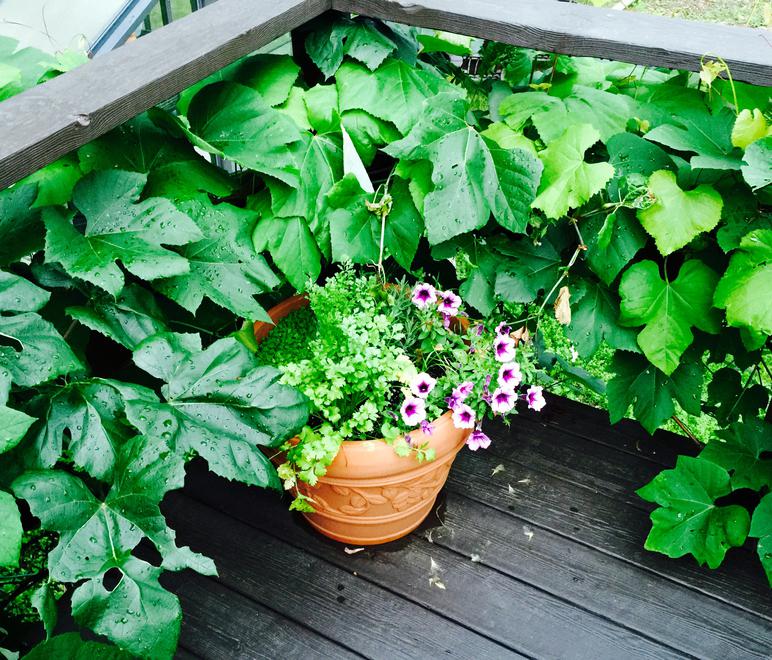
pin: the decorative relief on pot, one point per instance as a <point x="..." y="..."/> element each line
<point x="359" y="501"/>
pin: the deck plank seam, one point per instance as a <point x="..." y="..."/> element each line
<point x="378" y="585"/>
<point x="609" y="553"/>
<point x="279" y="613"/>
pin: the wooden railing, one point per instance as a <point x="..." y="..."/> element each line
<point x="47" y="121"/>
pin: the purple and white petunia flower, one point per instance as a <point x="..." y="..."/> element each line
<point x="510" y="376"/>
<point x="479" y="329"/>
<point x="427" y="428"/>
<point x="503" y="400"/>
<point x="424" y="295"/>
<point x="503" y="329"/>
<point x="504" y="348"/>
<point x="446" y="318"/>
<point x="463" y="417"/>
<point x="486" y="395"/>
<point x="413" y="411"/>
<point x="463" y="390"/>
<point x="478" y="440"/>
<point x="450" y="303"/>
<point x="422" y="385"/>
<point x="535" y="398"/>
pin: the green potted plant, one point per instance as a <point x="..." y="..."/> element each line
<point x="399" y="379"/>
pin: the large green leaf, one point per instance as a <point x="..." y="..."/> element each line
<point x="70" y="646"/>
<point x="118" y="229"/>
<point x="14" y="424"/>
<point x="709" y="135"/>
<point x="678" y="216"/>
<point x="359" y="38"/>
<point x="744" y="289"/>
<point x="529" y="269"/>
<point x="631" y="154"/>
<point x="729" y="399"/>
<point x="88" y="418"/>
<point x="128" y="319"/>
<point x="612" y="241"/>
<point x="34" y="352"/>
<point x="21" y="232"/>
<point x="568" y="181"/>
<point x="237" y="122"/>
<point x="761" y="528"/>
<point x="668" y="309"/>
<point x="218" y="403"/>
<point x="394" y="92"/>
<point x="223" y="264"/>
<point x="639" y="384"/>
<point x="688" y="521"/>
<point x="271" y="75"/>
<point x="472" y="176"/>
<point x="594" y="313"/>
<point x="10" y="530"/>
<point x="55" y="181"/>
<point x="138" y="614"/>
<point x="757" y="170"/>
<point x="743" y="450"/>
<point x="356" y="231"/>
<point x="18" y="294"/>
<point x="96" y="534"/>
<point x="292" y="247"/>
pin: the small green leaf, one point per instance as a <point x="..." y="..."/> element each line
<point x="18" y="294"/>
<point x="688" y="520"/>
<point x="568" y="181"/>
<point x="749" y="127"/>
<point x="612" y="242"/>
<point x="678" y="216"/>
<point x="728" y="399"/>
<point x="43" y="600"/>
<point x="21" y="232"/>
<point x="531" y="269"/>
<point x="668" y="309"/>
<point x="14" y="425"/>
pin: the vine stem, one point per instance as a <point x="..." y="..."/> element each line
<point x="686" y="430"/>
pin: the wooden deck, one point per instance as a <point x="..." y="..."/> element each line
<point x="542" y="559"/>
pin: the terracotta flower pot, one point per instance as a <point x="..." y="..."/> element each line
<point x="369" y="495"/>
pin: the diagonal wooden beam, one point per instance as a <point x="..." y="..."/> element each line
<point x="574" y="29"/>
<point x="50" y="120"/>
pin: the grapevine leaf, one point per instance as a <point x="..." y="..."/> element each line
<point x="517" y="109"/>
<point x="292" y="247"/>
<point x="21" y="232"/>
<point x="612" y="242"/>
<point x="668" y="309"/>
<point x="568" y="181"/>
<point x="368" y="133"/>
<point x="10" y="530"/>
<point x="138" y="614"/>
<point x="35" y="352"/>
<point x="472" y="177"/>
<point x="639" y="384"/>
<point x="688" y="521"/>
<point x="678" y="216"/>
<point x="728" y="399"/>
<point x="740" y="215"/>
<point x="739" y="451"/>
<point x="14" y="425"/>
<point x="761" y="529"/>
<point x="749" y="127"/>
<point x="238" y="123"/>
<point x="72" y="647"/>
<point x="631" y="154"/>
<point x="530" y="269"/>
<point x="757" y="170"/>
<point x="594" y="313"/>
<point x="404" y="225"/>
<point x="744" y="289"/>
<point x="695" y="129"/>
<point x="445" y="42"/>
<point x="219" y="403"/>
<point x="321" y="103"/>
<point x="128" y="319"/>
<point x="117" y="229"/>
<point x="223" y="264"/>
